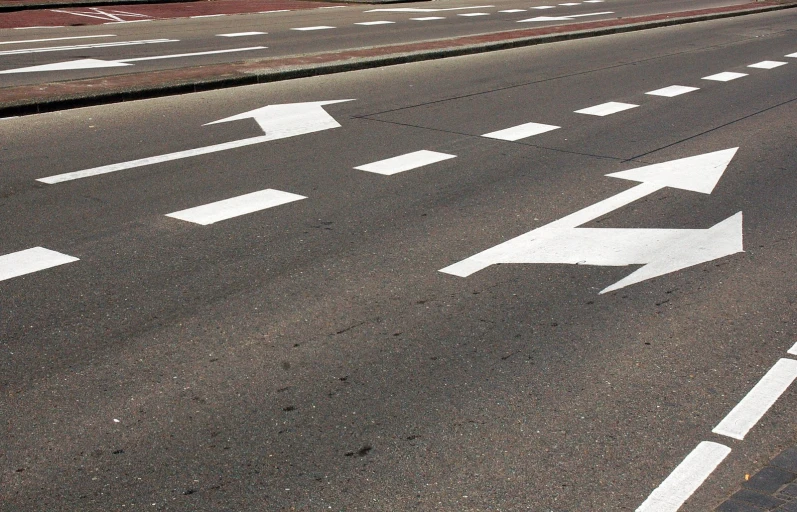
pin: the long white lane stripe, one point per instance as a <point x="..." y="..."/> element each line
<point x="727" y="76"/>
<point x="84" y="46"/>
<point x="673" y="90"/>
<point x="31" y="260"/>
<point x="406" y="162"/>
<point x="521" y="131"/>
<point x="56" y="39"/>
<point x="236" y="206"/>
<point x="752" y="408"/>
<point x="178" y="55"/>
<point x="686" y="478"/>
<point x="606" y="109"/>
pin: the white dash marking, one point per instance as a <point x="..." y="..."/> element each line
<point x="513" y="10"/>
<point x="767" y="64"/>
<point x="469" y="14"/>
<point x="55" y="39"/>
<point x="242" y="34"/>
<point x="320" y="27"/>
<point x="686" y="478"/>
<point x="673" y="90"/>
<point x="727" y="76"/>
<point x="521" y="131"/>
<point x="369" y="23"/>
<point x="569" y="4"/>
<point x="793" y="350"/>
<point x="31" y="260"/>
<point x="752" y="408"/>
<point x="792" y="55"/>
<point x="235" y="207"/>
<point x="544" y="7"/>
<point x="606" y="109"/>
<point x="406" y="162"/>
<point x="429" y="18"/>
<point x="593" y="1"/>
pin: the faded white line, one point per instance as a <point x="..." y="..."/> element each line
<point x="31" y="260"/>
<point x="369" y="23"/>
<point x="55" y="39"/>
<point x="686" y="478"/>
<point x="752" y="408"/>
<point x="521" y="131"/>
<point x="320" y="27"/>
<point x="727" y="76"/>
<point x="767" y="64"/>
<point x="406" y="162"/>
<point x="242" y="34"/>
<point x="85" y="46"/>
<point x="672" y="91"/>
<point x="606" y="109"/>
<point x="236" y="206"/>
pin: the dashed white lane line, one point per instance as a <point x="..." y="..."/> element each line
<point x="31" y="260"/>
<point x="672" y="91"/>
<point x="427" y="9"/>
<point x="593" y="1"/>
<point x="792" y="55"/>
<point x="56" y="39"/>
<point x="242" y="34"/>
<point x="86" y="46"/>
<point x="793" y="350"/>
<point x="513" y="10"/>
<point x="521" y="131"/>
<point x="606" y="109"/>
<point x="406" y="162"/>
<point x="369" y="23"/>
<point x="544" y="7"/>
<point x="235" y="206"/>
<point x="727" y="76"/>
<point x="429" y="18"/>
<point x="471" y="14"/>
<point x="686" y="478"/>
<point x="752" y="408"/>
<point x="570" y="4"/>
<point x="320" y="27"/>
<point x="767" y="64"/>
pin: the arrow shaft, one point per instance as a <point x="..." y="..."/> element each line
<point x="196" y="54"/>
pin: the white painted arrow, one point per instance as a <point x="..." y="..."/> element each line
<point x="564" y="18"/>
<point x="100" y="63"/>
<point x="277" y="121"/>
<point x="661" y="251"/>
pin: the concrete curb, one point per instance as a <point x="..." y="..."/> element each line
<point x="39" y="98"/>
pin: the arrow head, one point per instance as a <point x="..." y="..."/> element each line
<point x="281" y="121"/>
<point x="695" y="247"/>
<point x="696" y="173"/>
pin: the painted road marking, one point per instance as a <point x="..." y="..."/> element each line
<point x="429" y="18"/>
<point x="521" y="131"/>
<point x="179" y="55"/>
<point x="425" y="9"/>
<point x="752" y="408"/>
<point x="277" y="121"/>
<point x="767" y="64"/>
<point x="544" y="7"/>
<point x="673" y="90"/>
<point x="793" y="55"/>
<point x="320" y="27"/>
<point x="236" y="206"/>
<point x="564" y="18"/>
<point x="406" y="162"/>
<point x="474" y="14"/>
<point x="31" y="260"/>
<point x="86" y="46"/>
<point x="55" y="39"/>
<point x="593" y="1"/>
<point x="242" y="34"/>
<point x="369" y="23"/>
<point x="513" y="10"/>
<point x="571" y="4"/>
<point x="100" y="14"/>
<point x="606" y="109"/>
<point x="793" y="350"/>
<point x="271" y="12"/>
<point x="727" y="76"/>
<point x="39" y="26"/>
<point x="686" y="478"/>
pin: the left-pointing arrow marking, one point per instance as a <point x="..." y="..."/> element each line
<point x="277" y="121"/>
<point x="661" y="251"/>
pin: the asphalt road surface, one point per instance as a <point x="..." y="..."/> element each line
<point x="312" y="356"/>
<point x="109" y="47"/>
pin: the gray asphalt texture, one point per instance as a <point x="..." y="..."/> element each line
<point x="312" y="357"/>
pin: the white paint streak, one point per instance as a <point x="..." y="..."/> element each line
<point x="792" y="55"/>
<point x="686" y="478"/>
<point x="513" y="10"/>
<point x="85" y="46"/>
<point x="320" y="27"/>
<point x="31" y="260"/>
<point x="727" y="76"/>
<point x="672" y="91"/>
<point x="606" y="109"/>
<point x="752" y="408"/>
<point x="767" y="64"/>
<point x="429" y="18"/>
<point x="541" y="7"/>
<point x="471" y="14"/>
<point x="423" y="9"/>
<point x="521" y="131"/>
<point x="56" y="39"/>
<point x="208" y="16"/>
<point x="67" y="66"/>
<point x="406" y="162"/>
<point x="369" y="23"/>
<point x="235" y="207"/>
<point x="564" y="18"/>
<point x="277" y="10"/>
<point x="242" y="34"/>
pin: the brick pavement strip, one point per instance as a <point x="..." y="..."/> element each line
<point x="773" y="488"/>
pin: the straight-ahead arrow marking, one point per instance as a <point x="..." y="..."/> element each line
<point x="660" y="251"/>
<point x="277" y="121"/>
